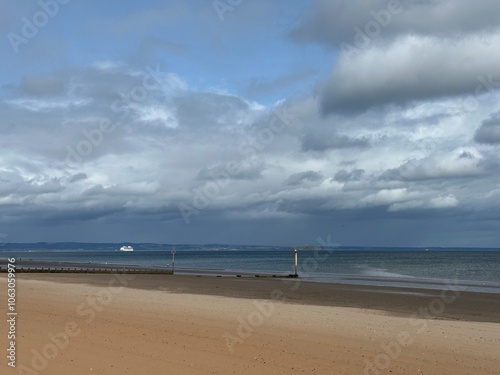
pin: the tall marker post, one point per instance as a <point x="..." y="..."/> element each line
<point x="296" y="261"/>
<point x="173" y="259"/>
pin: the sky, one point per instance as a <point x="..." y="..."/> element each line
<point x="372" y="123"/>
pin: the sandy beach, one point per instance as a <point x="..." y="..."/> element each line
<point x="153" y="324"/>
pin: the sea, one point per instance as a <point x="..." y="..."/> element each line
<point x="472" y="270"/>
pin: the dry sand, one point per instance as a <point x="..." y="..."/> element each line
<point x="187" y="325"/>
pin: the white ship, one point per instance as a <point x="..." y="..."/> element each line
<point x="126" y="248"/>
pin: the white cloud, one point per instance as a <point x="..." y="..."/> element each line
<point x="448" y="201"/>
<point x="39" y="105"/>
<point x="457" y="164"/>
<point x="413" y="69"/>
<point x="156" y="113"/>
<point x="388" y="196"/>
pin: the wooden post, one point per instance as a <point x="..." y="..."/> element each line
<point x="173" y="260"/>
<point x="296" y="262"/>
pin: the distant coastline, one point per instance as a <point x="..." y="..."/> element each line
<point x="150" y="246"/>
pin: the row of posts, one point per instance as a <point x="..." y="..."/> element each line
<point x="295" y="261"/>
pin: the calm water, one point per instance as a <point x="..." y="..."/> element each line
<point x="474" y="270"/>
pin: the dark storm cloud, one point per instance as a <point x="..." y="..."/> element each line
<point x="88" y="213"/>
<point x="489" y="132"/>
<point x="299" y="178"/>
<point x="421" y="51"/>
<point x="345" y="176"/>
<point x="419" y="70"/>
<point x="333" y="22"/>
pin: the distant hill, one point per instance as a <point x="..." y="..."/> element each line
<point x="71" y="246"/>
<point x="114" y="246"/>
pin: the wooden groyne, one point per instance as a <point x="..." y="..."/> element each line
<point x="108" y="270"/>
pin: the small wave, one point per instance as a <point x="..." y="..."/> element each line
<point x="379" y="272"/>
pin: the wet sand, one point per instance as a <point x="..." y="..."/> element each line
<point x="160" y="324"/>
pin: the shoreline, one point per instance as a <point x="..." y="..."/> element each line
<point x="464" y="305"/>
<point x="403" y="283"/>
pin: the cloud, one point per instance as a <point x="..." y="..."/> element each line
<point x="489" y="132"/>
<point x="245" y="172"/>
<point x="404" y="199"/>
<point x="146" y="167"/>
<point x="143" y="164"/>
<point x="323" y="142"/>
<point x="77" y="177"/>
<point x="405" y="52"/>
<point x="48" y="85"/>
<point x="333" y="22"/>
<point x="207" y="110"/>
<point x="15" y="185"/>
<point x="442" y="202"/>
<point x="412" y="69"/>
<point x="458" y="164"/>
<point x="302" y="177"/>
<point x="345" y="176"/>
